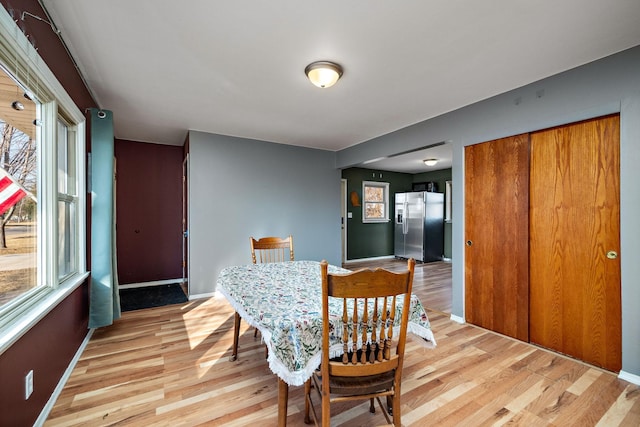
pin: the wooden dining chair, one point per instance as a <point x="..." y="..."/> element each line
<point x="263" y="250"/>
<point x="364" y="371"/>
<point x="271" y="249"/>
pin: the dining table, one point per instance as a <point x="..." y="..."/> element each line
<point x="283" y="300"/>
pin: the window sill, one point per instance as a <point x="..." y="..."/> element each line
<point x="15" y="329"/>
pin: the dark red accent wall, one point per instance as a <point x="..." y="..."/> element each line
<point x="148" y="211"/>
<point x="49" y="346"/>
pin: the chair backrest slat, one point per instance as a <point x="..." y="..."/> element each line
<point x="383" y="324"/>
<point x="365" y="323"/>
<point x="345" y="332"/>
<point x="354" y="331"/>
<point x="374" y="343"/>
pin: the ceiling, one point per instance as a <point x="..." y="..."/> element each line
<point x="236" y="67"/>
<point x="21" y="119"/>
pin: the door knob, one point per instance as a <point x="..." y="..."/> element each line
<point x="469" y="243"/>
<point x="612" y="254"/>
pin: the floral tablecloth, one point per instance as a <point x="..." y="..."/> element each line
<point x="284" y="301"/>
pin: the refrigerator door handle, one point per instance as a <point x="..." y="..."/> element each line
<point x="405" y="224"/>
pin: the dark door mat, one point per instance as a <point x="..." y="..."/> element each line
<point x="151" y="296"/>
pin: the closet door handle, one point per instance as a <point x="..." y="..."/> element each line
<point x="469" y="242"/>
<point x="612" y="254"/>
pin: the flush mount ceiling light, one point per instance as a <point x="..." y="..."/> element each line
<point x="323" y="73"/>
<point x="430" y="162"/>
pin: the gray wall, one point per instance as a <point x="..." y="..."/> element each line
<point x="606" y="86"/>
<point x="241" y="187"/>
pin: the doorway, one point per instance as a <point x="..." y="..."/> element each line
<point x="343" y="219"/>
<point x="185" y="224"/>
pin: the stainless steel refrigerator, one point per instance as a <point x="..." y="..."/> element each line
<point x="419" y="226"/>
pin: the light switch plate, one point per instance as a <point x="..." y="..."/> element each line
<point x="28" y="385"/>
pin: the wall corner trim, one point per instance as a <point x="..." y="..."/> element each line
<point x="457" y="319"/>
<point x="201" y="296"/>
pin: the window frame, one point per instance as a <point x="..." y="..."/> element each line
<point x="385" y="187"/>
<point x="70" y="196"/>
<point x="23" y="62"/>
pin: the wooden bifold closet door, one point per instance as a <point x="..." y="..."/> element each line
<point x="575" y="305"/>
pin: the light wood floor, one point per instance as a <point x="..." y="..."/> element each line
<point x="169" y="366"/>
<point x="431" y="281"/>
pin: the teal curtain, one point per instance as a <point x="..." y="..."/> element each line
<point x="104" y="299"/>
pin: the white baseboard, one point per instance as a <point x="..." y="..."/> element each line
<point x="457" y="319"/>
<point x="63" y="380"/>
<point x="377" y="258"/>
<point x="632" y="378"/>
<point x="152" y="283"/>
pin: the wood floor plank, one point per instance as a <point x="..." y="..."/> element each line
<point x="632" y="417"/>
<point x="593" y="403"/>
<point x="169" y="366"/>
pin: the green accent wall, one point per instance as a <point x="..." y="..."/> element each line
<point x="367" y="240"/>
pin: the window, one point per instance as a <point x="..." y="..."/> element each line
<point x="18" y="215"/>
<point x="375" y="206"/>
<point x="42" y="151"/>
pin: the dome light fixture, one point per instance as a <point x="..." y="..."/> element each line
<point x="430" y="162"/>
<point x="323" y="74"/>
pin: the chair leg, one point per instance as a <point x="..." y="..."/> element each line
<point x="236" y="333"/>
<point x="396" y="413"/>
<point x="307" y="404"/>
<point x="372" y="407"/>
<point x="326" y="410"/>
<point x="390" y="404"/>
